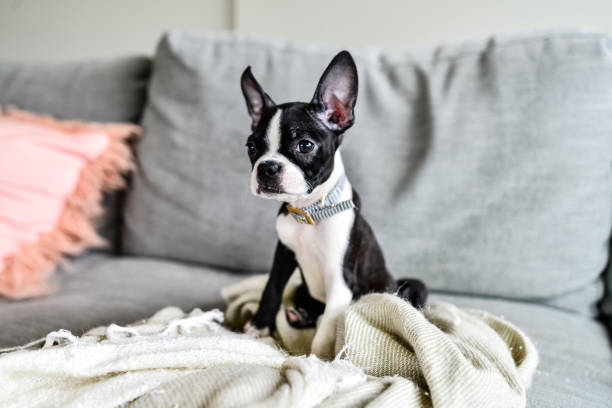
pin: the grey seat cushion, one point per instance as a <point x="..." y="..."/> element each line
<point x="101" y="91"/>
<point x="575" y="368"/>
<point x="484" y="168"/>
<point x="102" y="289"/>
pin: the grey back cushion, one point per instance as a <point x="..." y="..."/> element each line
<point x="484" y="168"/>
<point x="101" y="91"/>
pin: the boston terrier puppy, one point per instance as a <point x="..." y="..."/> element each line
<point x="295" y="157"/>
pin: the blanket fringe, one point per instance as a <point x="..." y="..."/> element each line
<point x="197" y="319"/>
<point x="58" y="336"/>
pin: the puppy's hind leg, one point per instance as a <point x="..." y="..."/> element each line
<point x="412" y="290"/>
<point x="306" y="311"/>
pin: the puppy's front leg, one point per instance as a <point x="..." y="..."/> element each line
<point x="264" y="321"/>
<point x="337" y="298"/>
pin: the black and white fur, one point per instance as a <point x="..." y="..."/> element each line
<point x="295" y="157"/>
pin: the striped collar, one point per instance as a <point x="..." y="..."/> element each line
<point x="326" y="207"/>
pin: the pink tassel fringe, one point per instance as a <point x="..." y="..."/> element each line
<point x="26" y="272"/>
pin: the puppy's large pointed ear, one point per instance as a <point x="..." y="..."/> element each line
<point x="256" y="99"/>
<point x="336" y="93"/>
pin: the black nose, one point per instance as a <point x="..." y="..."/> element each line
<point x="268" y="170"/>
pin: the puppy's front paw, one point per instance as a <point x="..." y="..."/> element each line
<point x="323" y="347"/>
<point x="251" y="330"/>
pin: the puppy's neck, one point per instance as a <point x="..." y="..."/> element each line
<point x="326" y="186"/>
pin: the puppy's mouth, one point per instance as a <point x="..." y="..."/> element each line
<point x="269" y="190"/>
<point x="275" y="192"/>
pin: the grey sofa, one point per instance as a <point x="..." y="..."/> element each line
<point x="485" y="169"/>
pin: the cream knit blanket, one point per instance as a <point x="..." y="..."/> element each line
<point x="392" y="355"/>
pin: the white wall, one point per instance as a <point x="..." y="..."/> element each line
<point x="402" y="23"/>
<point x="76" y="29"/>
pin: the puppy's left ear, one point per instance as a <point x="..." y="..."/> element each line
<point x="336" y="93"/>
<point x="255" y="97"/>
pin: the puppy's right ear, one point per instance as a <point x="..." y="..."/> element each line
<point x="335" y="97"/>
<point x="256" y="99"/>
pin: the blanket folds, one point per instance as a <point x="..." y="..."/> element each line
<point x="390" y="354"/>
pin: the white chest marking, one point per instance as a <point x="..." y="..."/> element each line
<point x="320" y="250"/>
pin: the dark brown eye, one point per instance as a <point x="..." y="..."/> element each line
<point x="305" y="146"/>
<point x="251" y="147"/>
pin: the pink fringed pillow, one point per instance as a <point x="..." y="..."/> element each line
<point x="52" y="176"/>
